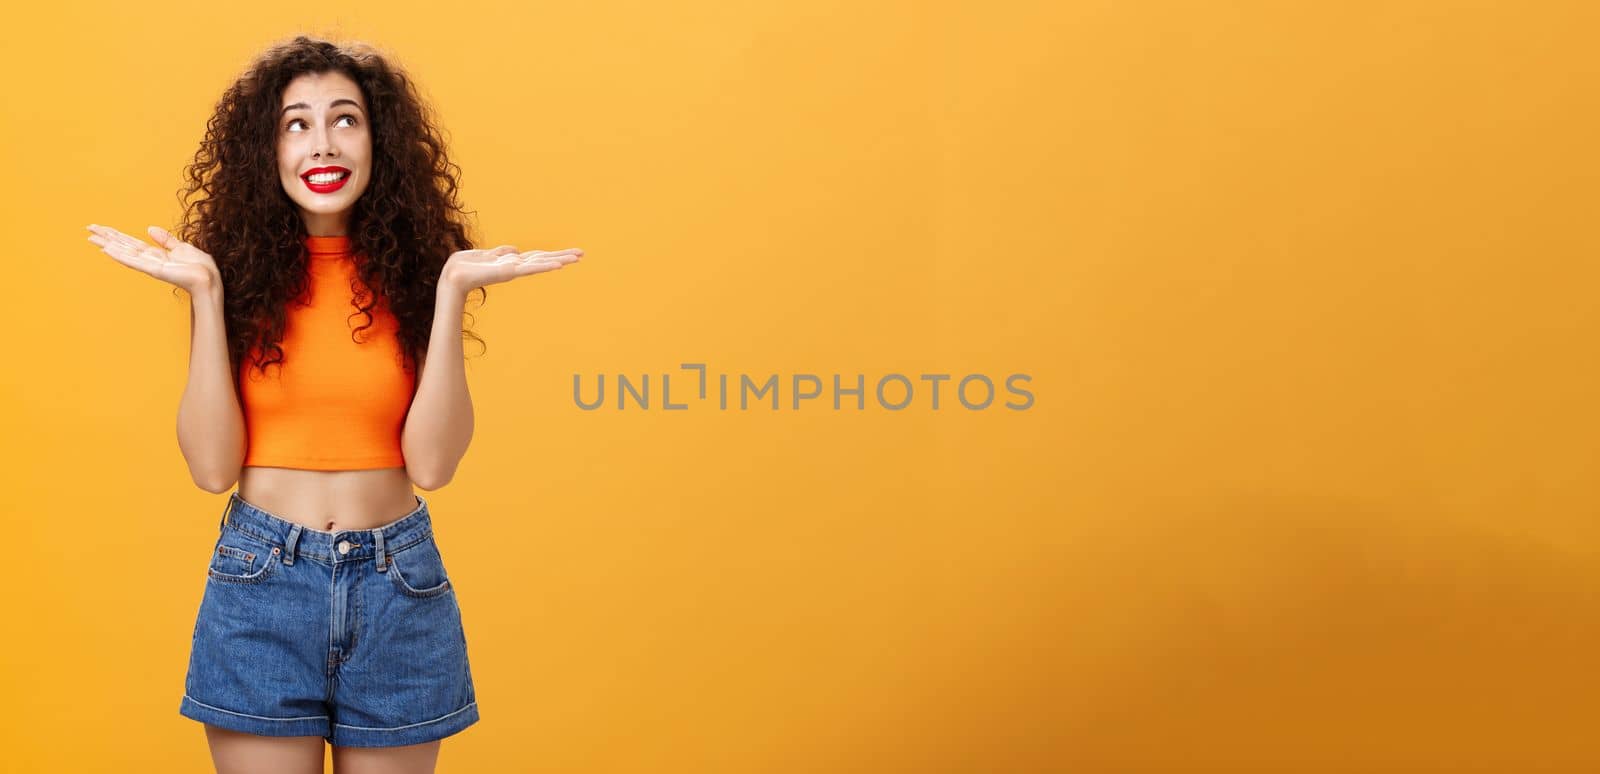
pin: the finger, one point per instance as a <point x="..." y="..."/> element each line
<point x="104" y="243"/>
<point x="133" y="256"/>
<point x="568" y="251"/>
<point x="536" y="267"/>
<point x="501" y="250"/>
<point x="563" y="258"/>
<point x="121" y="238"/>
<point x="541" y="255"/>
<point x="163" y="238"/>
<point x="125" y="249"/>
<point x="110" y="233"/>
<point x="133" y="259"/>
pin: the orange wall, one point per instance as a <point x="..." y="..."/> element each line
<point x="1306" y="294"/>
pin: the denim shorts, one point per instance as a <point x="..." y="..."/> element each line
<point x="351" y="635"/>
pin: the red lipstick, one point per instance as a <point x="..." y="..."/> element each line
<point x="325" y="188"/>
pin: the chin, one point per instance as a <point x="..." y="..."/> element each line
<point x="326" y="207"/>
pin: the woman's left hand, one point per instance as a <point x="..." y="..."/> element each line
<point x="470" y="269"/>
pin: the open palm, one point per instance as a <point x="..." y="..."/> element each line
<point x="174" y="261"/>
<point x="471" y="269"/>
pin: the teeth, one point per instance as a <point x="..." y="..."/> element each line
<point x="327" y="177"/>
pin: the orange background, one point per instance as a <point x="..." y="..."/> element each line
<point x="1306" y="292"/>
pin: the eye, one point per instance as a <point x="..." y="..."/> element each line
<point x="290" y="126"/>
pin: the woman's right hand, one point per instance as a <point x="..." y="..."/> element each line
<point x="174" y="261"/>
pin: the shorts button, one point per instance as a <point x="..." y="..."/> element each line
<point x="344" y="546"/>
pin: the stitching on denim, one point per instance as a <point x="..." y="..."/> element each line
<point x="412" y="544"/>
<point x="333" y="664"/>
<point x="255" y="577"/>
<point x="257" y="717"/>
<point x="407" y="588"/>
<point x="301" y="552"/>
<point x="248" y="557"/>
<point x="265" y="541"/>
<point x="413" y="725"/>
<point x="353" y="623"/>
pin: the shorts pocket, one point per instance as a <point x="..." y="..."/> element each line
<point x="238" y="559"/>
<point x="418" y="571"/>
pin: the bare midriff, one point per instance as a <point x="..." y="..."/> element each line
<point x="330" y="500"/>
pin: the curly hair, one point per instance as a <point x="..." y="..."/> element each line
<point x="406" y="224"/>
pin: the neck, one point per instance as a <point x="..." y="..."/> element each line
<point x="326" y="223"/>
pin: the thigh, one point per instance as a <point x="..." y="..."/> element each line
<point x="236" y="752"/>
<point x="409" y="759"/>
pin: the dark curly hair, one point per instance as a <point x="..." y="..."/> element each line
<point x="406" y="223"/>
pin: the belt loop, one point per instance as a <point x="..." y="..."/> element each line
<point x="227" y="510"/>
<point x="377" y="545"/>
<point x="288" y="545"/>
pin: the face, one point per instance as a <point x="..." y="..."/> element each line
<point x="324" y="149"/>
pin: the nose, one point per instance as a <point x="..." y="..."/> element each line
<point x="322" y="145"/>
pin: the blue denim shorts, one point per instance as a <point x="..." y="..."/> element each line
<point x="353" y="635"/>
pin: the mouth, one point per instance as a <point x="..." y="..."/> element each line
<point x="325" y="180"/>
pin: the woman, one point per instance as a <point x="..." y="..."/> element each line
<point x="328" y="266"/>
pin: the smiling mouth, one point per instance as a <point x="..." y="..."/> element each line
<point x="326" y="182"/>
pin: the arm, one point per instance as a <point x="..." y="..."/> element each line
<point x="438" y="426"/>
<point x="211" y="432"/>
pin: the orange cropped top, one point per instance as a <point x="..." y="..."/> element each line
<point x="333" y="403"/>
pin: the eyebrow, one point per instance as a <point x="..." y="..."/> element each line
<point x="334" y="104"/>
